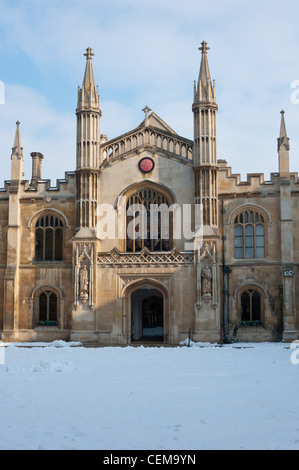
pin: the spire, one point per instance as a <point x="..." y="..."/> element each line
<point x="88" y="151"/>
<point x="204" y="72"/>
<point x="283" y="148"/>
<point x="204" y="152"/>
<point x="205" y="91"/>
<point x="88" y="81"/>
<point x="283" y="138"/>
<point x="17" y="147"/>
<point x="88" y="95"/>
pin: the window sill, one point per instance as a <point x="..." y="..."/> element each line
<point x="250" y="324"/>
<point x="51" y="263"/>
<point x="46" y="327"/>
<point x="250" y="259"/>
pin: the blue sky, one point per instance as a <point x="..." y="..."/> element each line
<point x="146" y="53"/>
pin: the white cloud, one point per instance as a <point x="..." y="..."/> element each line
<point x="146" y="53"/>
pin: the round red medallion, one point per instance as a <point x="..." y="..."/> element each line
<point x="146" y="164"/>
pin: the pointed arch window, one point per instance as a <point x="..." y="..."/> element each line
<point x="151" y="226"/>
<point x="48" y="308"/>
<point x="251" y="306"/>
<point x="249" y="231"/>
<point x="49" y="238"/>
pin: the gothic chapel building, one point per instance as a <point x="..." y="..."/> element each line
<point x="60" y="278"/>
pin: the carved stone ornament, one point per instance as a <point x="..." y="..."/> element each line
<point x="84" y="294"/>
<point x="206" y="274"/>
<point x="115" y="257"/>
<point x="206" y="250"/>
<point x="206" y="281"/>
<point x="84" y="274"/>
<point x="125" y="281"/>
<point x="288" y="272"/>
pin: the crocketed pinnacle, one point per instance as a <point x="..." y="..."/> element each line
<point x="283" y="138"/>
<point x="88" y="95"/>
<point x="88" y="81"/>
<point x="17" y="146"/>
<point x="204" y="92"/>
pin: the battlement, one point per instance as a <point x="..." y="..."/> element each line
<point x="232" y="182"/>
<point x="41" y="187"/>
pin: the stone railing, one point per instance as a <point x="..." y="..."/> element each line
<point x="147" y="137"/>
<point x="145" y="257"/>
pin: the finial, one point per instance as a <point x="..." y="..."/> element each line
<point x="282" y="112"/>
<point x="18" y="123"/>
<point x="146" y="110"/>
<point x="88" y="54"/>
<point x="204" y="47"/>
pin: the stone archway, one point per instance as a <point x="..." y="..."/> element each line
<point x="146" y="311"/>
<point x="147" y="316"/>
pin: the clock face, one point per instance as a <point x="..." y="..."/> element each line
<point x="146" y="165"/>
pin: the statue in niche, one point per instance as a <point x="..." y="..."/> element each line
<point x="84" y="280"/>
<point x="206" y="280"/>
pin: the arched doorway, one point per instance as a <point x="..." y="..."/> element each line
<point x="147" y="315"/>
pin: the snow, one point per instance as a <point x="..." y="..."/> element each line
<point x="64" y="396"/>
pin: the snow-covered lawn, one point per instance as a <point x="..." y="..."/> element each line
<point x="239" y="396"/>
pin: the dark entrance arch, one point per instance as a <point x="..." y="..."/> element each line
<point x="147" y="316"/>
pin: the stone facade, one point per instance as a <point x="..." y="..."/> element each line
<point x="230" y="277"/>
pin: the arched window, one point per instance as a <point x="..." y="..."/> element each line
<point x="49" y="238"/>
<point x="251" y="306"/>
<point x="47" y="308"/>
<point x="249" y="230"/>
<point x="149" y="221"/>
